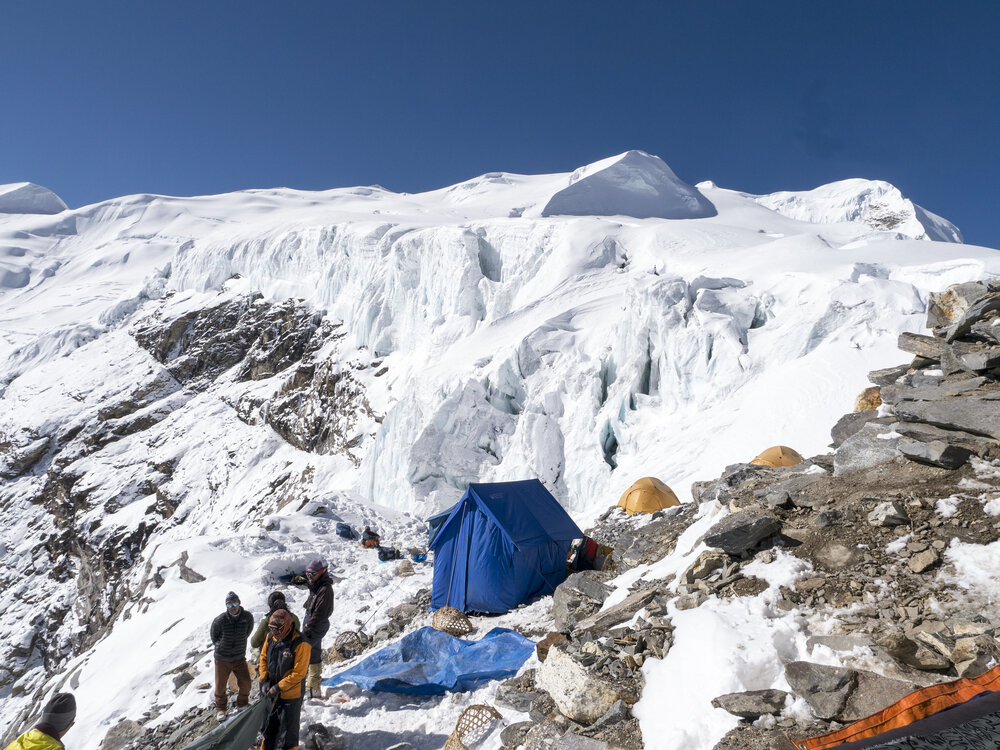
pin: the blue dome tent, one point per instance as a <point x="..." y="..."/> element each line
<point x="501" y="545"/>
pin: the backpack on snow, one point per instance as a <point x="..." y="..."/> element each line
<point x="345" y="531"/>
<point x="388" y="553"/>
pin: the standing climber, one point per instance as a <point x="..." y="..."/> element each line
<point x="284" y="661"/>
<point x="230" y="631"/>
<point x="275" y="601"/>
<point x="57" y="717"/>
<point x="316" y="623"/>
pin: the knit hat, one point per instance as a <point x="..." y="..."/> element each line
<point x="276" y="600"/>
<point x="231" y="598"/>
<point x="315" y="567"/>
<point x="59" y="712"/>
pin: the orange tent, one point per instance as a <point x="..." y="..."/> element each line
<point x="779" y="455"/>
<point x="908" y="710"/>
<point x="647" y="495"/>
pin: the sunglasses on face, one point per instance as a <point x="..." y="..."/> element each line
<point x="232" y="606"/>
<point x="274" y="628"/>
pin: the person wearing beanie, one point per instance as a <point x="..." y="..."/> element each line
<point x="229" y="632"/>
<point x="275" y="601"/>
<point x="284" y="661"/>
<point x="57" y="717"/>
<point x="316" y="622"/>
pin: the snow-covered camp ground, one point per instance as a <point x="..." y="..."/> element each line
<point x="587" y="350"/>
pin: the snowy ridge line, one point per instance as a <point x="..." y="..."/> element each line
<point x="206" y="385"/>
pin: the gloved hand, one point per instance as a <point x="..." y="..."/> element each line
<point x="265" y="685"/>
<point x="273" y="691"/>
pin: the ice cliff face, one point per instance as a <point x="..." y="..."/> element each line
<point x="176" y="367"/>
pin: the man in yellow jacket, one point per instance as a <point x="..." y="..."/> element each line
<point x="284" y="661"/>
<point x="57" y="717"/>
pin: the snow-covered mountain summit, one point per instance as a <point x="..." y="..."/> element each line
<point x="632" y="184"/>
<point x="184" y="380"/>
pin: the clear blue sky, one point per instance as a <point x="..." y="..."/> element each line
<point x="100" y="99"/>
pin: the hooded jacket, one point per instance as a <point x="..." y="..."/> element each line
<point x="35" y="739"/>
<point x="285" y="662"/>
<point x="260" y="634"/>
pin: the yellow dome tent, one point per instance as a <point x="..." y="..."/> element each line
<point x="779" y="455"/>
<point x="647" y="495"/>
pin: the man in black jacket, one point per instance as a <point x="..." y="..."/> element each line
<point x="316" y="623"/>
<point x="230" y="631"/>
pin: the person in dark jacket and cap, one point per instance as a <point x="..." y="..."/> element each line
<point x="316" y="623"/>
<point x="230" y="631"/>
<point x="57" y="717"/>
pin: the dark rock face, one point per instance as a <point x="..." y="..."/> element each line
<point x="741" y="532"/>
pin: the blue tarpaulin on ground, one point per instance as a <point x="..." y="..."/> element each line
<point x="430" y="662"/>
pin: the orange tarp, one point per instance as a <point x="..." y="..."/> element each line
<point x="910" y="708"/>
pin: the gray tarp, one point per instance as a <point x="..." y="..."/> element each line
<point x="236" y="733"/>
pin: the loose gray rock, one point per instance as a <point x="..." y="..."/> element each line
<point x="864" y="449"/>
<point x="578" y="596"/>
<point x="889" y="513"/>
<point x="741" y="532"/>
<point x="923" y="561"/>
<point x="935" y="453"/>
<point x="752" y="704"/>
<point x="824" y="688"/>
<point x="514" y="735"/>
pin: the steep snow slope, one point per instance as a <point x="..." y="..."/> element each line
<point x="461" y="334"/>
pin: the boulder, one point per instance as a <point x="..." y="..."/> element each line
<point x="985" y="359"/>
<point x="979" y="415"/>
<point x="943" y="308"/>
<point x="971" y="655"/>
<point x="752" y="704"/>
<point x="864" y="449"/>
<point x="741" y="532"/>
<point x="975" y="311"/>
<point x="887" y="376"/>
<point x="872" y="693"/>
<point x="824" y="688"/>
<point x="849" y="424"/>
<point x="924" y="346"/>
<point x="981" y="446"/>
<point x="576" y="691"/>
<point x="578" y="596"/>
<point x="935" y="453"/>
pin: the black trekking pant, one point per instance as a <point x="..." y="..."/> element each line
<point x="315" y="641"/>
<point x="283" y="725"/>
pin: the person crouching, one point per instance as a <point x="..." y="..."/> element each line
<point x="284" y="661"/>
